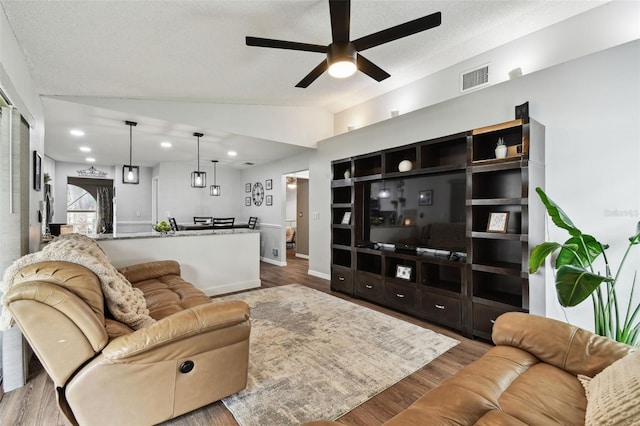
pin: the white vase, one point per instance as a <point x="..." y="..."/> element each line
<point x="347" y="174"/>
<point x="501" y="151"/>
<point x="405" y="166"/>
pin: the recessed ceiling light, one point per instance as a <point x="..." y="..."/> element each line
<point x="91" y="159"/>
<point x="76" y="132"/>
<point x="165" y="144"/>
<point x="232" y="153"/>
<point x="85" y="149"/>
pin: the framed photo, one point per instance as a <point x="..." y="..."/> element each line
<point x="247" y="200"/>
<point x="346" y="218"/>
<point x="269" y="200"/>
<point x="498" y="222"/>
<point x="404" y="272"/>
<point x="268" y="184"/>
<point x="37" y="171"/>
<point x="247" y="187"/>
<point x="425" y="198"/>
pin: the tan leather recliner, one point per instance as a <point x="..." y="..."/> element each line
<point x="106" y="373"/>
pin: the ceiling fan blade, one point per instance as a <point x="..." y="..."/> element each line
<point x="282" y="44"/>
<point x="311" y="77"/>
<point x="371" y="69"/>
<point x="340" y="11"/>
<point x="399" y="31"/>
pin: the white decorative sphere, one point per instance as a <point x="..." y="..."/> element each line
<point x="405" y="166"/>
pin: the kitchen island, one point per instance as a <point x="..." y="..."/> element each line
<point x="217" y="262"/>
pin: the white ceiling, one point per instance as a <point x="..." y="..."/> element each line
<point x="195" y="51"/>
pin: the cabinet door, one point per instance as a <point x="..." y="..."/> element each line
<point x="442" y="309"/>
<point x="484" y="317"/>
<point x="369" y="286"/>
<point x="341" y="280"/>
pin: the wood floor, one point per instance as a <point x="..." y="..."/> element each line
<point x="35" y="404"/>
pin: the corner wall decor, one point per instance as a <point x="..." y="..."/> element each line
<point x="130" y="173"/>
<point x="214" y="190"/>
<point x="92" y="172"/>
<point x="198" y="178"/>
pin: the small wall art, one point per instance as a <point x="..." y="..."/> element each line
<point x="268" y="184"/>
<point x="247" y="200"/>
<point x="37" y="171"/>
<point x="269" y="200"/>
<point x="404" y="272"/>
<point x="425" y="198"/>
<point x="247" y="187"/>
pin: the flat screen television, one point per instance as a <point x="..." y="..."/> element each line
<point x="425" y="211"/>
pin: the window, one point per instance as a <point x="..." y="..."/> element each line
<point x="81" y="210"/>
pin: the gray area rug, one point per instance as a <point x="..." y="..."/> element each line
<point x="315" y="356"/>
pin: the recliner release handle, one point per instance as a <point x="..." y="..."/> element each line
<point x="186" y="367"/>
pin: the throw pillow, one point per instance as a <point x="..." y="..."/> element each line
<point x="613" y="394"/>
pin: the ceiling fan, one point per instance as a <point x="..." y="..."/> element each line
<point x="343" y="57"/>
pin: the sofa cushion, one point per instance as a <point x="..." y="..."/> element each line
<point x="613" y="394"/>
<point x="506" y="386"/>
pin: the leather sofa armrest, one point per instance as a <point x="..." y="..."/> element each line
<point x="190" y="322"/>
<point x="150" y="270"/>
<point x="563" y="345"/>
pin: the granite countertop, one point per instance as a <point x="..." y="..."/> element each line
<point x="171" y="234"/>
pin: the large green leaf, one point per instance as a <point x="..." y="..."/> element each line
<point x="558" y="216"/>
<point x="574" y="284"/>
<point x="636" y="238"/>
<point x="579" y="252"/>
<point x="540" y="253"/>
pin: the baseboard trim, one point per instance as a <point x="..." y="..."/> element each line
<point x="302" y="256"/>
<point x="319" y="275"/>
<point x="273" y="262"/>
<point x="230" y="288"/>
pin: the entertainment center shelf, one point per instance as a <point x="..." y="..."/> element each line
<point x="439" y="229"/>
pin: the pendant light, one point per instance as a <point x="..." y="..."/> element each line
<point x="384" y="191"/>
<point x="198" y="178"/>
<point x="130" y="173"/>
<point x="214" y="190"/>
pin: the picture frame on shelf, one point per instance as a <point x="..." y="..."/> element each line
<point x="247" y="201"/>
<point x="269" y="200"/>
<point x="425" y="198"/>
<point x="37" y="171"/>
<point x="247" y="187"/>
<point x="404" y="272"/>
<point x="346" y="218"/>
<point x="498" y="222"/>
<point x="268" y="184"/>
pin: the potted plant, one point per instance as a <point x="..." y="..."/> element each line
<point x="577" y="279"/>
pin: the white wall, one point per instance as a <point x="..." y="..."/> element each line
<point x="178" y="199"/>
<point x="272" y="219"/>
<point x="603" y="27"/>
<point x="591" y="109"/>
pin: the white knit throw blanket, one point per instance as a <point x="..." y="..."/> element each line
<point x="126" y="303"/>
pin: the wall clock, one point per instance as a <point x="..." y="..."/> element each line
<point x="258" y="194"/>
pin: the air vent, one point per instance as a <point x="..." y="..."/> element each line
<point x="249" y="163"/>
<point x="474" y="79"/>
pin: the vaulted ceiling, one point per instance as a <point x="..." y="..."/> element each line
<point x="194" y="51"/>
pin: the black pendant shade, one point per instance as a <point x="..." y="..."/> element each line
<point x="130" y="173"/>
<point x="214" y="190"/>
<point x="198" y="178"/>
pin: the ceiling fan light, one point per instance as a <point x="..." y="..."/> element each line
<point x="342" y="69"/>
<point x="342" y="60"/>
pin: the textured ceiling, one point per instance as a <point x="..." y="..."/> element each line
<point x="195" y="50"/>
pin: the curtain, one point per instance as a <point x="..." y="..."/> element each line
<point x="104" y="210"/>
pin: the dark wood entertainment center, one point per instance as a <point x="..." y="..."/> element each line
<point x="464" y="293"/>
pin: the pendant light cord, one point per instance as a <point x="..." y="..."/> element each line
<point x="130" y="145"/>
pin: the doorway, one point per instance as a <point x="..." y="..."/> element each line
<point x="297" y="213"/>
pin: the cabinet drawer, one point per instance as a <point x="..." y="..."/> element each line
<point x="440" y="308"/>
<point x="342" y="280"/>
<point x="402" y="296"/>
<point x="369" y="286"/>
<point x="483" y="318"/>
